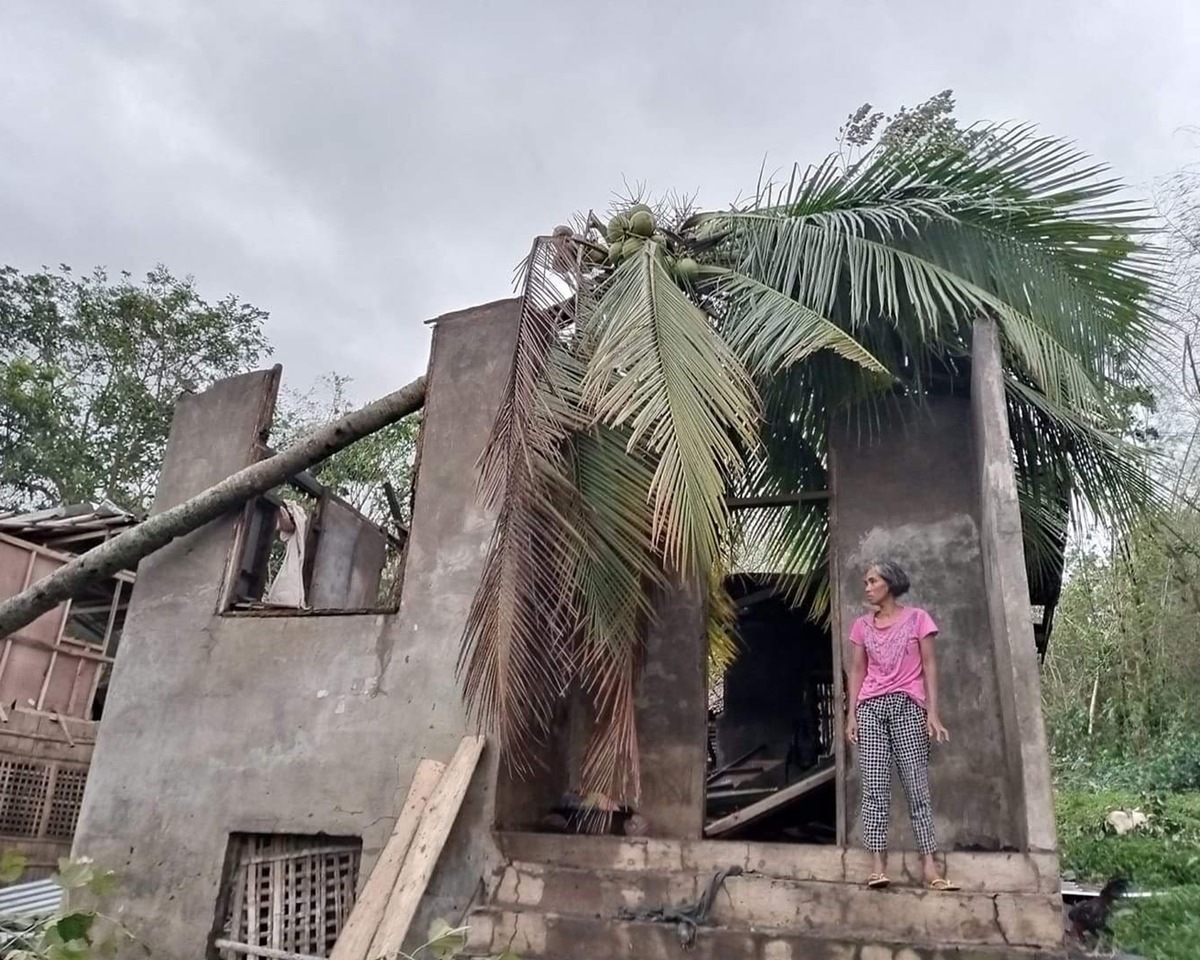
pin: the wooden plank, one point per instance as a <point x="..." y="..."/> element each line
<point x="432" y="832"/>
<point x="772" y="803"/>
<point x="65" y="729"/>
<point x="841" y="630"/>
<point x="294" y="853"/>
<point x="58" y="642"/>
<point x="48" y="801"/>
<point x="748" y="755"/>
<point x="56" y="555"/>
<point x="252" y="951"/>
<point x="237" y="909"/>
<point x="355" y="938"/>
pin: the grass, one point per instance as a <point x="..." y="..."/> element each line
<point x="1165" y="856"/>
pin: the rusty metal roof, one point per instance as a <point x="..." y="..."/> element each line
<point x="70" y="528"/>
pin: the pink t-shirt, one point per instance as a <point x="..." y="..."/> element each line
<point x="893" y="654"/>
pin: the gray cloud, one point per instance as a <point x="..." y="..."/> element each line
<point x="358" y="168"/>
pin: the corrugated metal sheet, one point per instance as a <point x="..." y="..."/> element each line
<point x="30" y="899"/>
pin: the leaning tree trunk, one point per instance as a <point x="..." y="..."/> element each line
<point x="124" y="552"/>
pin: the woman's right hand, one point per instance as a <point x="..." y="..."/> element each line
<point x="852" y="728"/>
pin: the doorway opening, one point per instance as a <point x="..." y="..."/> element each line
<point x="772" y="735"/>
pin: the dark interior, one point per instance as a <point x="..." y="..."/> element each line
<point x="771" y="718"/>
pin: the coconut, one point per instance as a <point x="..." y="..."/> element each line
<point x="641" y="224"/>
<point x="639" y="207"/>
<point x="618" y="227"/>
<point x="632" y="247"/>
<point x="687" y="269"/>
<point x="614" y="251"/>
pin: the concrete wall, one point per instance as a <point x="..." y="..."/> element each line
<point x="1008" y="597"/>
<point x="672" y="724"/>
<point x="304" y="724"/>
<point x="906" y="487"/>
<point x="672" y="718"/>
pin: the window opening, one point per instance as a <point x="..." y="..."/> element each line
<point x="286" y="893"/>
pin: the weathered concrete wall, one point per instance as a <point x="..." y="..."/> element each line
<point x="671" y="711"/>
<point x="905" y="487"/>
<point x="303" y="724"/>
<point x="1007" y="590"/>
<point x="672" y="717"/>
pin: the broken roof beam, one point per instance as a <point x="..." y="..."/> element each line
<point x="777" y="500"/>
<point x="305" y="482"/>
<point x="777" y="801"/>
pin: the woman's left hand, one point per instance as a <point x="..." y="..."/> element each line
<point x="936" y="730"/>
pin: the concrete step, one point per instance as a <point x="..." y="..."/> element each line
<point x="974" y="872"/>
<point x="818" y="907"/>
<point x="532" y="934"/>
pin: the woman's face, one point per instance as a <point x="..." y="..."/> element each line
<point x="875" y="588"/>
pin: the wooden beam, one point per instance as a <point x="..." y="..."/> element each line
<point x="777" y="800"/>
<point x="354" y="941"/>
<point x="721" y="771"/>
<point x="393" y="502"/>
<point x="777" y="500"/>
<point x="746" y="602"/>
<point x="41" y="551"/>
<point x="432" y="833"/>
<point x="269" y="952"/>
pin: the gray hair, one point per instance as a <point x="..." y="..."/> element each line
<point x="891" y="573"/>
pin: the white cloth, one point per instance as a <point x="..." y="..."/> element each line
<point x="287" y="589"/>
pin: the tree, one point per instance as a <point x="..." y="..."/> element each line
<point x="90" y="369"/>
<point x="930" y="125"/>
<point x="359" y="472"/>
<point x="669" y="359"/>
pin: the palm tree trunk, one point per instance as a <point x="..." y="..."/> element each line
<point x="124" y="552"/>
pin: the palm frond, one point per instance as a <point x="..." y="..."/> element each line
<point x="660" y="369"/>
<point x="521" y="432"/>
<point x="514" y="662"/>
<point x="771" y="331"/>
<point x="720" y="624"/>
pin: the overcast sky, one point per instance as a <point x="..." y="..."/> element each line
<point x="356" y="168"/>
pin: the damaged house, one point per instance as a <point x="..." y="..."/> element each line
<point x="54" y="677"/>
<point x="255" y="754"/>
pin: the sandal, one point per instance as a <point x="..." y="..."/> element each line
<point x="943" y="885"/>
<point x="877" y="881"/>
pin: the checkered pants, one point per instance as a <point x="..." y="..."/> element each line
<point x="892" y="727"/>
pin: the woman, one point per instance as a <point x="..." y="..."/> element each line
<point x="894" y="716"/>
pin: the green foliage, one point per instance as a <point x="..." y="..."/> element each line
<point x="444" y="942"/>
<point x="929" y="124"/>
<point x="90" y="369"/>
<point x="1163" y="857"/>
<point x="69" y="934"/>
<point x="12" y="866"/>
<point x="1164" y="854"/>
<point x="1161" y="928"/>
<point x="1121" y="672"/>
<point x="356" y="474"/>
